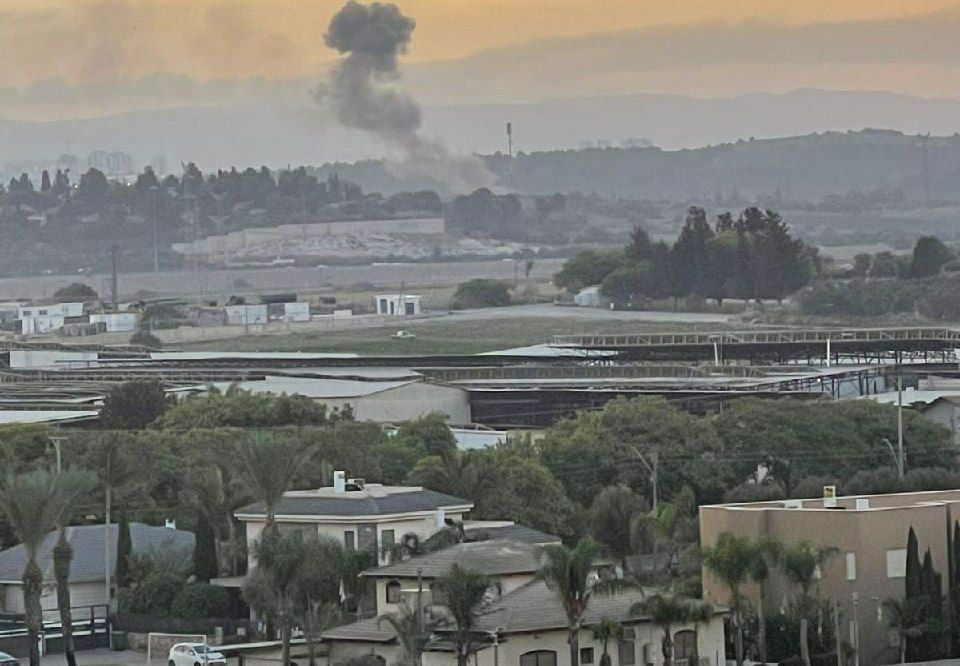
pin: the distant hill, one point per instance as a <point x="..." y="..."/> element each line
<point x="795" y="169"/>
<point x="278" y="131"/>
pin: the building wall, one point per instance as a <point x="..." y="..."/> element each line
<point x="946" y="414"/>
<point x="81" y="594"/>
<point x="709" y="644"/>
<point x="508" y="584"/>
<point x="343" y="651"/>
<point x="408" y="402"/>
<point x="870" y="537"/>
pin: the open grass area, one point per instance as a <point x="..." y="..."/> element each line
<point x="441" y="337"/>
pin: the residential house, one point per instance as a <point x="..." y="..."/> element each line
<point x="359" y="515"/>
<point x="528" y="627"/>
<point x="870" y="533"/>
<point x="88" y="568"/>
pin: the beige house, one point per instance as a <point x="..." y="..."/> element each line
<point x="527" y="627"/>
<point x="870" y="533"/>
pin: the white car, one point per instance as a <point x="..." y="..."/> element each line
<point x="195" y="654"/>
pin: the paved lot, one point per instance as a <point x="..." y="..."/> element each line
<point x="553" y="311"/>
<point x="101" y="657"/>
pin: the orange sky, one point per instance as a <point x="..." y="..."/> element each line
<point x="93" y="40"/>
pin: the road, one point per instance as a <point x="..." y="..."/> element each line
<point x="541" y="310"/>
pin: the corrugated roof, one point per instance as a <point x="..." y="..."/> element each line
<point x="12" y="416"/>
<point x="316" y="388"/>
<point x="88" y="550"/>
<point x="411" y="501"/>
<point x="493" y="558"/>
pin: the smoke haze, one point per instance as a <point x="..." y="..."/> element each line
<point x="361" y="93"/>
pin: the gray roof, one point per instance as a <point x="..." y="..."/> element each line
<point x="316" y="388"/>
<point x="535" y="607"/>
<point x="88" y="550"/>
<point x="493" y="558"/>
<point x="520" y="533"/>
<point x="385" y="505"/>
<point x="368" y="631"/>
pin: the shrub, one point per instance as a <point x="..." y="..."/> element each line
<point x="154" y="596"/>
<point x="200" y="600"/>
<point x="145" y="338"/>
<point x="481" y="293"/>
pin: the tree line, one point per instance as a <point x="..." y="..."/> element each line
<point x="750" y="257"/>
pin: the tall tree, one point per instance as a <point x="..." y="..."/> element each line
<point x="72" y="485"/>
<point x="732" y="559"/>
<point x="466" y="593"/>
<point x="568" y="572"/>
<point x="906" y="617"/>
<point x="34" y="504"/>
<point x="667" y="611"/>
<point x="269" y="464"/>
<point x="929" y="256"/>
<point x="133" y="405"/>
<point x="689" y="254"/>
<point x="612" y="515"/>
<point x="801" y="562"/>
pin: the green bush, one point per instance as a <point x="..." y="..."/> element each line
<point x="481" y="293"/>
<point x="153" y="596"/>
<point x="200" y="600"/>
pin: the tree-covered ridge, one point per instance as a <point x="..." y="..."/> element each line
<point x="751" y="257"/>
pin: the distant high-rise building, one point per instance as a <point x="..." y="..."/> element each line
<point x="116" y="163"/>
<point x="159" y="165"/>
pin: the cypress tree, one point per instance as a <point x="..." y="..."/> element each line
<point x="205" y="550"/>
<point x="913" y="581"/>
<point x="124" y="550"/>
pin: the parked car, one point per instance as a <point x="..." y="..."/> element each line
<point x="194" y="654"/>
<point x="7" y="660"/>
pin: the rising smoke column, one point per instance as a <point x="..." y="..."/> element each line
<point x="371" y="39"/>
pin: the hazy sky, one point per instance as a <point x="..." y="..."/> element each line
<point x="64" y="57"/>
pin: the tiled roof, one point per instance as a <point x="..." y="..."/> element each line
<point x="535" y="607"/>
<point x="493" y="558"/>
<point x="388" y="504"/>
<point x="370" y="631"/>
<point x="520" y="533"/>
<point x="88" y="550"/>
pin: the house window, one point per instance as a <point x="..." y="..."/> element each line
<point x="586" y="655"/>
<point x="851" y="562"/>
<point x="350" y="540"/>
<point x="393" y="592"/>
<point x="438" y="595"/>
<point x="684" y="646"/>
<point x="539" y="658"/>
<point x="897" y="563"/>
<point x="626" y="652"/>
<point x="387" y="540"/>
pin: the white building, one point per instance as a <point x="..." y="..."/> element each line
<point x="399" y="304"/>
<point x="589" y="297"/>
<point x="116" y="322"/>
<point x="40" y="323"/>
<point x="359" y="515"/>
<point x="74" y="309"/>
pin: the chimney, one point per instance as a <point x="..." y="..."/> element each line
<point x="339" y="481"/>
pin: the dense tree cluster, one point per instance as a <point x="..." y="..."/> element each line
<point x="922" y="283"/>
<point x="68" y="224"/>
<point x="752" y="257"/>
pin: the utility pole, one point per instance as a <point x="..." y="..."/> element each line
<point x="836" y="628"/>
<point x="652" y="466"/>
<point x="114" y="287"/>
<point x="57" y="439"/>
<point x="900" y="458"/>
<point x="156" y="232"/>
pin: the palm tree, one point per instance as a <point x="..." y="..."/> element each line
<point x="569" y="572"/>
<point x="606" y="630"/>
<point x="801" y="563"/>
<point x="72" y="485"/>
<point x="906" y="618"/>
<point x="769" y="553"/>
<point x="34" y="504"/>
<point x="269" y="464"/>
<point x="466" y="593"/>
<point x="666" y="611"/>
<point x="732" y="560"/>
<point x="412" y="632"/>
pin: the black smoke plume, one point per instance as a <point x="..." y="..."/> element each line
<point x="363" y="96"/>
